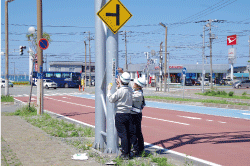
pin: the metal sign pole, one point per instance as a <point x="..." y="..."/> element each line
<point x="111" y="65"/>
<point x="100" y="64"/>
<point x="203" y="56"/>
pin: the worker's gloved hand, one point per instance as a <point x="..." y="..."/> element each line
<point x="118" y="82"/>
<point x="110" y="86"/>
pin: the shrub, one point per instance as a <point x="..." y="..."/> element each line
<point x="218" y="92"/>
<point x="223" y="93"/>
<point x="26" y="111"/>
<point x="231" y="93"/>
<point x="207" y="92"/>
<point x="213" y="93"/>
<point x="244" y="93"/>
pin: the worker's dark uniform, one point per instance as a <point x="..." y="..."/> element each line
<point x="137" y="138"/>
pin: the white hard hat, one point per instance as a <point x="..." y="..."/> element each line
<point x="141" y="82"/>
<point x="125" y="77"/>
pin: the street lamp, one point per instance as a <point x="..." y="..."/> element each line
<point x="32" y="30"/>
<point x="165" y="63"/>
<point x="7" y="47"/>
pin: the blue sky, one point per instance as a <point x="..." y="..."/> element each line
<point x="66" y="21"/>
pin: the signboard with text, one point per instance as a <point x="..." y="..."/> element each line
<point x="231" y="55"/>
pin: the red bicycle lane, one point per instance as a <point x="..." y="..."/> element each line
<point x="199" y="135"/>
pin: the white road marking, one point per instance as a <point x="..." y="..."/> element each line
<point x="210" y="120"/>
<point x="70" y="102"/>
<point x="86" y="124"/>
<point x="189" y="117"/>
<point x="221" y="122"/>
<point x="166" y="120"/>
<point x="246" y="113"/>
<point x="182" y="155"/>
<point x="94" y="107"/>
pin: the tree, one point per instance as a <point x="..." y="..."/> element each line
<point x="32" y="38"/>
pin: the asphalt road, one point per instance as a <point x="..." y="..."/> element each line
<point x="174" y="91"/>
<point x="216" y="139"/>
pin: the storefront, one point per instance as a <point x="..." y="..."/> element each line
<point x="175" y="71"/>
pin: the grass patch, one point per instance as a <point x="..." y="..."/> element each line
<point x="216" y="101"/>
<point x="81" y="144"/>
<point x="224" y="94"/>
<point x="25" y="111"/>
<point x="244" y="93"/>
<point x="59" y="128"/>
<point x="146" y="159"/>
<point x="7" y="98"/>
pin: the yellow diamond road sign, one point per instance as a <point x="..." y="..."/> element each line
<point x="114" y="14"/>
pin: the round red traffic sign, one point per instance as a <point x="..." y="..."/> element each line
<point x="43" y="43"/>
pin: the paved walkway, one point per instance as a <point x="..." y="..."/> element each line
<point x="32" y="146"/>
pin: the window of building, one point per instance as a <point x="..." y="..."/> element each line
<point x="58" y="69"/>
<point x="71" y="69"/>
<point x="92" y="68"/>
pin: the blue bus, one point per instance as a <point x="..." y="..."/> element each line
<point x="63" y="79"/>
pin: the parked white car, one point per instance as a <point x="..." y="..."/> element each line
<point x="3" y="84"/>
<point x="47" y="83"/>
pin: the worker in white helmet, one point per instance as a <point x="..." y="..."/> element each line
<point x="123" y="98"/>
<point x="138" y="104"/>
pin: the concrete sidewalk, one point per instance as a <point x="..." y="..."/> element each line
<point x="32" y="146"/>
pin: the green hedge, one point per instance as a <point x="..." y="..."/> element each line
<point x="21" y="83"/>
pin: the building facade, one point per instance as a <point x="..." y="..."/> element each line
<point x="74" y="67"/>
<point x="175" y="71"/>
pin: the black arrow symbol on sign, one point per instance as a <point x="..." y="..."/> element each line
<point x="117" y="14"/>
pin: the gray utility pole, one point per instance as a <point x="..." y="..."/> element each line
<point x="203" y="56"/>
<point x="39" y="59"/>
<point x="165" y="63"/>
<point x="89" y="62"/>
<point x="210" y="44"/>
<point x="100" y="82"/>
<point x="161" y="66"/>
<point x="7" y="47"/>
<point x="85" y="67"/>
<point x="211" y="37"/>
<point x="126" y="62"/>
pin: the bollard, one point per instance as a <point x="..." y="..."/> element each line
<point x="82" y="88"/>
<point x="79" y="87"/>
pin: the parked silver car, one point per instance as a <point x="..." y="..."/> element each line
<point x="242" y="84"/>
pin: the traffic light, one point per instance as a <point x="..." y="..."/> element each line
<point x="21" y="49"/>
